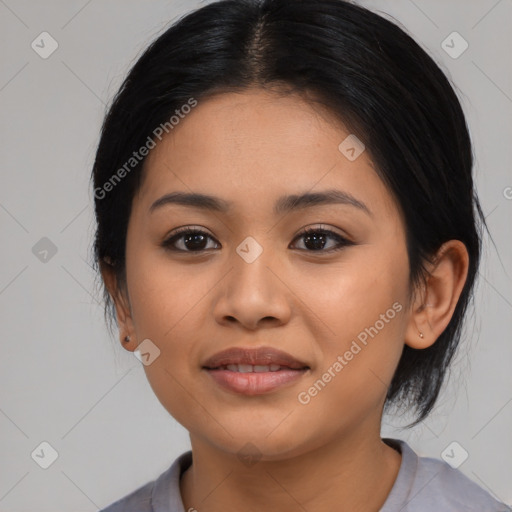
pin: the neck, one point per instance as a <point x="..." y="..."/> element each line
<point x="355" y="473"/>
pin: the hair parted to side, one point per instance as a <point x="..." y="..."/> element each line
<point x="369" y="74"/>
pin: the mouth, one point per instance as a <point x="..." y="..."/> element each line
<point x="255" y="368"/>
<point x="254" y="371"/>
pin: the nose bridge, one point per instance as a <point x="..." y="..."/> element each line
<point x="252" y="290"/>
<point x="251" y="260"/>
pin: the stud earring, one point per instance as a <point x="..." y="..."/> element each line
<point x="127" y="339"/>
<point x="421" y="334"/>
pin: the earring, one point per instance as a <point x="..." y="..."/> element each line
<point x="127" y="339"/>
<point x="421" y="334"/>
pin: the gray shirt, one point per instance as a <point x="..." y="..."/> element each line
<point x="423" y="484"/>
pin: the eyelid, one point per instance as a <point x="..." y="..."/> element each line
<point x="343" y="240"/>
<point x="189" y="229"/>
<point x="323" y="228"/>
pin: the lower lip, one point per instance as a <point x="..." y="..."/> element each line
<point x="254" y="383"/>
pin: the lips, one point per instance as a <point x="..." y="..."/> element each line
<point x="254" y="371"/>
<point x="249" y="368"/>
<point x="262" y="359"/>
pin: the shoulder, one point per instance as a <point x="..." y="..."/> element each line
<point x="450" y="487"/>
<point x="160" y="494"/>
<point x="426" y="483"/>
<point x="138" y="500"/>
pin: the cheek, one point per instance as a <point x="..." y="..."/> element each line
<point x="347" y="297"/>
<point x="164" y="294"/>
<point x="168" y="309"/>
<point x="362" y="307"/>
<point x="356" y="366"/>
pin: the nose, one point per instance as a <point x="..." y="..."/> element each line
<point x="252" y="294"/>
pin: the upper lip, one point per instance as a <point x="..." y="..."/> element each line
<point x="253" y="356"/>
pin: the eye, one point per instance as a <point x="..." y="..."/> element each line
<point x="196" y="240"/>
<point x="192" y="239"/>
<point x="316" y="239"/>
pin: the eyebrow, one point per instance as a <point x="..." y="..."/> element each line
<point x="283" y="205"/>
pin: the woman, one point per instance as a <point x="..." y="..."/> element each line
<point x="289" y="234"/>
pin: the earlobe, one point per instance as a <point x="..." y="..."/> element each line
<point x="434" y="307"/>
<point x="122" y="307"/>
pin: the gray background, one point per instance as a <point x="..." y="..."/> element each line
<point x="64" y="381"/>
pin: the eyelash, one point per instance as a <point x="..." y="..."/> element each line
<point x="342" y="242"/>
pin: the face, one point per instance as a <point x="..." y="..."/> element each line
<point x="334" y="298"/>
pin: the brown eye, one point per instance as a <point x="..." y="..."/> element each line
<point x="316" y="239"/>
<point x="191" y="240"/>
<point x="195" y="240"/>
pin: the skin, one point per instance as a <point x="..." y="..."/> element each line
<point x="251" y="148"/>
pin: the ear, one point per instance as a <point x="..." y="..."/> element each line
<point x="434" y="307"/>
<point x="119" y="295"/>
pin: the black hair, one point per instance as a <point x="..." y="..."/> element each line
<point x="369" y="73"/>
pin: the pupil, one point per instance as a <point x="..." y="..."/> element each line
<point x="191" y="237"/>
<point x="316" y="238"/>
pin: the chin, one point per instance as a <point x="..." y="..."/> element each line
<point x="253" y="444"/>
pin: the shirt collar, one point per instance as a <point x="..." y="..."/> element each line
<point x="401" y="489"/>
<point x="166" y="495"/>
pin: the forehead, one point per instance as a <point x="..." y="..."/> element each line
<point x="254" y="145"/>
